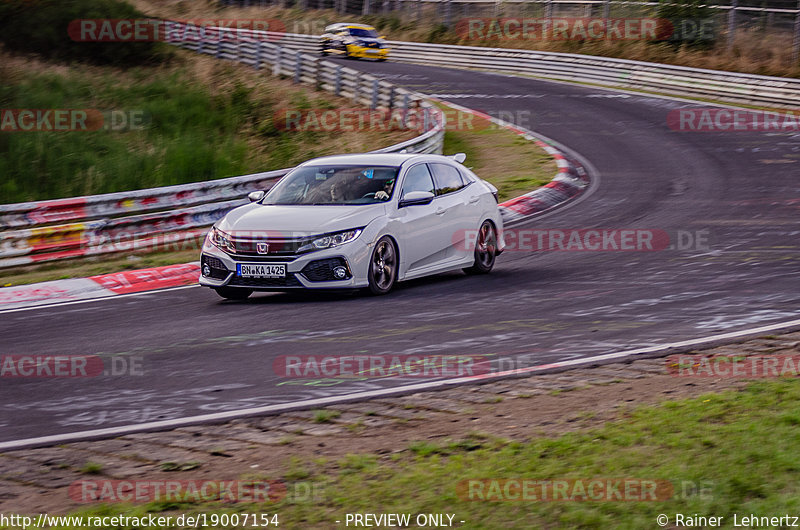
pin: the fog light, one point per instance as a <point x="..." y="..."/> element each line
<point x="206" y="270"/>
<point x="339" y="272"/>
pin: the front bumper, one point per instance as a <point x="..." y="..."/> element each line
<point x="364" y="52"/>
<point x="301" y="270"/>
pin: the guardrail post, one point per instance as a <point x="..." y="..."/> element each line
<point x="259" y="53"/>
<point x="796" y="44"/>
<point x="732" y="24"/>
<point x="356" y="88"/>
<point x="606" y="9"/>
<point x="448" y="19"/>
<point x="375" y="90"/>
<point x="548" y="9"/>
<point x="317" y="74"/>
<point x="298" y="66"/>
<point x="276" y="68"/>
<point x="391" y="97"/>
<point x="337" y="85"/>
<point x="219" y="48"/>
<point x="365" y="8"/>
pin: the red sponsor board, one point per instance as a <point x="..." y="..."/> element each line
<point x="50" y="366"/>
<point x="143" y="491"/>
<point x="196" y="30"/>
<point x="149" y="279"/>
<point x="358" y="366"/>
<point x="745" y="367"/>
<point x="567" y="489"/>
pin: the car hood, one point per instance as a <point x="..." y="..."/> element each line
<point x="367" y="39"/>
<point x="298" y="221"/>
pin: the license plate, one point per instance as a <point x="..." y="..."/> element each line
<point x="260" y="270"/>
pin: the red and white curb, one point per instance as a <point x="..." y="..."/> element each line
<point x="571" y="179"/>
<point x="96" y="287"/>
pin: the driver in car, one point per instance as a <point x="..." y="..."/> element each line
<point x="383" y="195"/>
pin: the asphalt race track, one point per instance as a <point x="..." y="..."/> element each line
<point x="737" y="192"/>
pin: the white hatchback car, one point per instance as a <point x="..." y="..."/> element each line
<point x="356" y="221"/>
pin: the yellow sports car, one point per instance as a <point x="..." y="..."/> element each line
<point x="353" y="40"/>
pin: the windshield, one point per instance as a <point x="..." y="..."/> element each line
<point x="358" y="32"/>
<point x="331" y="185"/>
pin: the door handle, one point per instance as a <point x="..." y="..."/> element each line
<point x="474" y="199"/>
<point x="440" y="211"/>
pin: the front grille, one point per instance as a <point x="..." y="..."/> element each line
<point x="322" y="270"/>
<point x="248" y="247"/>
<point x="270" y="259"/>
<point x="218" y="269"/>
<point x="288" y="281"/>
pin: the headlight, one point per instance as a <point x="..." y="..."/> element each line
<point x="331" y="240"/>
<point x="221" y="240"/>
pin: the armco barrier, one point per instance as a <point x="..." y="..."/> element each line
<point x="735" y="87"/>
<point x="42" y="231"/>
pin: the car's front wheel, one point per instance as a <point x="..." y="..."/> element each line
<point x="383" y="266"/>
<point x="233" y="293"/>
<point x="485" y="250"/>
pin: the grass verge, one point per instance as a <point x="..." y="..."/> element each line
<point x="728" y="453"/>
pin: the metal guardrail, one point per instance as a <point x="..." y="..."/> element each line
<point x="95" y="224"/>
<point x="52" y="230"/>
<point x="678" y="80"/>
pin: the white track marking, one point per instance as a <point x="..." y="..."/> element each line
<point x="371" y="394"/>
<point x="105" y="297"/>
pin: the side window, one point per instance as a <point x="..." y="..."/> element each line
<point x="448" y="179"/>
<point x="418" y="178"/>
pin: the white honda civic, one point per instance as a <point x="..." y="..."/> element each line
<point x="356" y="221"/>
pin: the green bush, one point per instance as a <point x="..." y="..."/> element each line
<point x="190" y="135"/>
<point x="692" y="23"/>
<point x="41" y="26"/>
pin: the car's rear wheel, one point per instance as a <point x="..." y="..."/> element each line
<point x="485" y="250"/>
<point x="382" y="272"/>
<point x="233" y="293"/>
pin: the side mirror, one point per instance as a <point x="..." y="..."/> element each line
<point x="256" y="196"/>
<point x="413" y="198"/>
<point x="382" y="37"/>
